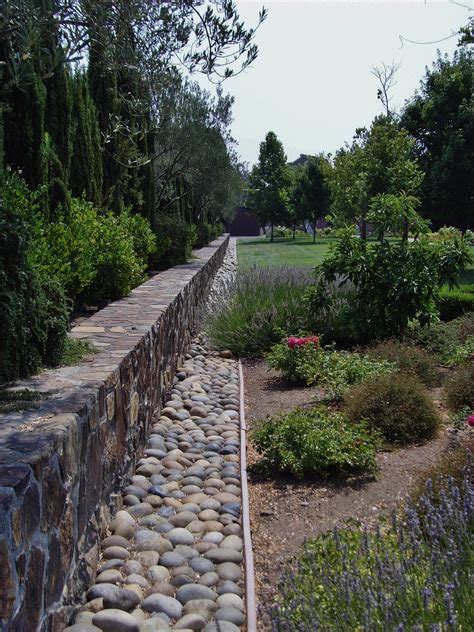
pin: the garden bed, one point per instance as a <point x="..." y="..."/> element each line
<point x="285" y="512"/>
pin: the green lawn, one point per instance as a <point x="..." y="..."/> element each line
<point x="301" y="252"/>
<point x="283" y="251"/>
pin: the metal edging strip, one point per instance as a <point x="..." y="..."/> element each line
<point x="250" y="600"/>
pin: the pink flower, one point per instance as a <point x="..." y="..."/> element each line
<point x="470" y="420"/>
<point x="293" y="341"/>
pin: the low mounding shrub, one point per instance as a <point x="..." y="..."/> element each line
<point x="459" y="388"/>
<point x="452" y="343"/>
<point x="413" y="574"/>
<point x="265" y="302"/>
<point x="455" y="302"/>
<point x="307" y="442"/>
<point x="397" y="405"/>
<point x="33" y="309"/>
<point x="408" y="359"/>
<point x="313" y="364"/>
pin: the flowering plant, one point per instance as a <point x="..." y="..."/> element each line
<point x="293" y="341"/>
<point x="470" y="421"/>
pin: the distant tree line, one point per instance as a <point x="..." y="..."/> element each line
<point x="416" y="163"/>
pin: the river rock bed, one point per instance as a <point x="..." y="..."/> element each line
<point x="173" y="559"/>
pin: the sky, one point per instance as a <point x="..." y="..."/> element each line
<point x="311" y="83"/>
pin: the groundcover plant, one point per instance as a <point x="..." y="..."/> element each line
<point x="413" y="573"/>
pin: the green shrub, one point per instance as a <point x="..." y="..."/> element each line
<point x="217" y="230"/>
<point x="175" y="239"/>
<point x="204" y="234"/>
<point x="452" y="343"/>
<point x="264" y="302"/>
<point x="395" y="283"/>
<point x="33" y="309"/>
<point x="397" y="405"/>
<point x="307" y="442"/>
<point x="459" y="388"/>
<point x="335" y="370"/>
<point x="118" y="268"/>
<point x="408" y="359"/>
<point x="139" y="231"/>
<point x="455" y="302"/>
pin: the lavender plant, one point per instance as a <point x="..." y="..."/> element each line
<point x="264" y="302"/>
<point x="414" y="573"/>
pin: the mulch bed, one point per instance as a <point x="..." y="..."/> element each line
<point x="284" y="512"/>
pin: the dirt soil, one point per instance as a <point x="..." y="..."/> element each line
<point x="284" y="513"/>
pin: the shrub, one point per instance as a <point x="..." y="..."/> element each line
<point x="452" y="343"/>
<point x="118" y="268"/>
<point x="313" y="364"/>
<point x="455" y="302"/>
<point x="395" y="283"/>
<point x="332" y="311"/>
<point x="204" y="234"/>
<point x="33" y="309"/>
<point x="398" y="405"/>
<point x="265" y="302"/>
<point x="459" y="388"/>
<point x="174" y="238"/>
<point x="414" y="574"/>
<point x="307" y="442"/>
<point x="408" y="359"/>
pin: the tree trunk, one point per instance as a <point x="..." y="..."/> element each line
<point x="294" y="231"/>
<point x="406" y="228"/>
<point x="271" y="232"/>
<point x="315" y="219"/>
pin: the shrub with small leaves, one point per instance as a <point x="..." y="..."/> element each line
<point x="335" y="370"/>
<point x="397" y="405"/>
<point x="459" y="388"/>
<point x="408" y="359"/>
<point x="307" y="442"/>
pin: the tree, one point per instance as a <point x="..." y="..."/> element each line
<point x="312" y="194"/>
<point x="386" y="79"/>
<point x="440" y="117"/>
<point x="269" y="183"/>
<point x="380" y="160"/>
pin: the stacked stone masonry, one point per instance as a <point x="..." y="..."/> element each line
<point x="63" y="462"/>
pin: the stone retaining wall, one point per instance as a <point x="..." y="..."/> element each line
<point x="62" y="463"/>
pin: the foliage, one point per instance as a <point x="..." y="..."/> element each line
<point x="397" y="405"/>
<point x="409" y="359"/>
<point x="459" y="388"/>
<point x="118" y="267"/>
<point x="380" y="160"/>
<point x="451" y="343"/>
<point x="439" y="117"/>
<point x="311" y="195"/>
<point x="454" y="302"/>
<point x="175" y="239"/>
<point x="269" y="183"/>
<point x="75" y="351"/>
<point x="33" y="309"/>
<point x="264" y="302"/>
<point x="415" y="573"/>
<point x="335" y="370"/>
<point x="395" y="283"/>
<point x="307" y="442"/>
